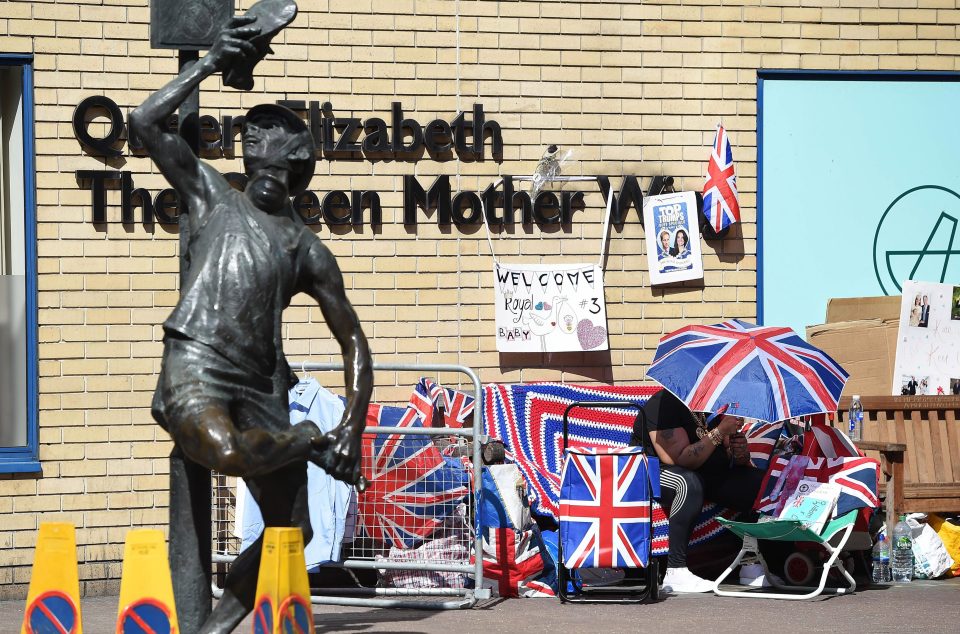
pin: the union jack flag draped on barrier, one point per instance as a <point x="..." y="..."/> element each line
<point x="764" y="373"/>
<point x="528" y="418"/>
<point x="412" y="487"/>
<point x="720" y="204"/>
<point x="605" y="508"/>
<point x="856" y="474"/>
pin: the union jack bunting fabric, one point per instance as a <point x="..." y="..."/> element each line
<point x="412" y="486"/>
<point x="720" y="203"/>
<point x="605" y="509"/>
<point x="856" y="474"/>
<point x="516" y="564"/>
<point x="763" y="373"/>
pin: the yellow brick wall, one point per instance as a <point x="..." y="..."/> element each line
<point x="633" y="88"/>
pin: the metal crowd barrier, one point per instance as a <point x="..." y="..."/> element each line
<point x="409" y="578"/>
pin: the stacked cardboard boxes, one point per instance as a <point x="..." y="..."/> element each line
<point x="860" y="334"/>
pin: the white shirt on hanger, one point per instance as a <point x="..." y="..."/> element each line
<point x="333" y="504"/>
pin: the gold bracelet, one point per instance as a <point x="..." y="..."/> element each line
<point x="715" y="438"/>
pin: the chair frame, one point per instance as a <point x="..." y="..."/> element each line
<point x="839" y="528"/>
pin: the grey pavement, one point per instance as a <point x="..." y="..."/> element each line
<point x="921" y="606"/>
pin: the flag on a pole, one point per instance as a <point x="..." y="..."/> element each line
<point x="720" y="204"/>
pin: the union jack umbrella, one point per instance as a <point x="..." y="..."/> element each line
<point x="765" y="373"/>
<point x="720" y="204"/>
<point x="412" y="487"/>
<point x="605" y="508"/>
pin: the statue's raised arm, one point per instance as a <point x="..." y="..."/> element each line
<point x="233" y="47"/>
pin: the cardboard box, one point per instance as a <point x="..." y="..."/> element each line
<point x="865" y="348"/>
<point x="855" y="308"/>
<point x="861" y="335"/>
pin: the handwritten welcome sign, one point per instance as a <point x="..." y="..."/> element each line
<point x="550" y="308"/>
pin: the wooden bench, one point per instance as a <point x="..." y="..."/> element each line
<point x="928" y="429"/>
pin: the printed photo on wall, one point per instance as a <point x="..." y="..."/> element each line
<point x="928" y="341"/>
<point x="673" y="238"/>
<point x="549" y="307"/>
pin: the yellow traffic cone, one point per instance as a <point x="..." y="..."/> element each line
<point x="146" y="589"/>
<point x="283" y="591"/>
<point x="53" y="601"/>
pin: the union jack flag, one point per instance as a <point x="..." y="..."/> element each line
<point x="605" y="509"/>
<point x="761" y="439"/>
<point x="457" y="406"/>
<point x="515" y="563"/>
<point x="856" y="474"/>
<point x="720" y="204"/>
<point x="412" y="486"/>
<point x="832" y="442"/>
<point x="770" y="373"/>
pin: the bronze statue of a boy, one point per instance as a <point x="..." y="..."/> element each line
<point x="222" y="391"/>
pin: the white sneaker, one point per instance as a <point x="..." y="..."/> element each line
<point x="681" y="580"/>
<point x="753" y="575"/>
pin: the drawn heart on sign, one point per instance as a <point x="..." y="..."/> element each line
<point x="590" y="336"/>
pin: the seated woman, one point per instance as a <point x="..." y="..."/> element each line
<point x="696" y="464"/>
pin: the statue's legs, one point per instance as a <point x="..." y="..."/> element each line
<point x="224" y="419"/>
<point x="282" y="498"/>
<point x="190" y="542"/>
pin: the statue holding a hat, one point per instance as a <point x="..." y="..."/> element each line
<point x="222" y="390"/>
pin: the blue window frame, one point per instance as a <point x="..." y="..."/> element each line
<point x="19" y="449"/>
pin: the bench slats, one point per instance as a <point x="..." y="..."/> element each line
<point x="929" y="426"/>
<point x="910" y="439"/>
<point x="953" y="446"/>
<point x="941" y="448"/>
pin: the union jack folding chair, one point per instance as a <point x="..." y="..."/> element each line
<point x="606" y="516"/>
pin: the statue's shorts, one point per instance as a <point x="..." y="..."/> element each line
<point x="196" y="377"/>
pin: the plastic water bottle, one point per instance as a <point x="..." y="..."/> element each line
<point x="902" y="557"/>
<point x="881" y="561"/>
<point x="855" y="419"/>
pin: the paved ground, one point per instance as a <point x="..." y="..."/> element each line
<point x="921" y="606"/>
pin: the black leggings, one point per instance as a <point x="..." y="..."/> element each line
<point x="683" y="491"/>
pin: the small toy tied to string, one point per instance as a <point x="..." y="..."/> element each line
<point x="549" y="168"/>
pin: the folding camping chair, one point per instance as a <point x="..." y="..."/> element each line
<point x="832" y="538"/>
<point x="827" y="455"/>
<point x="606" y="516"/>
